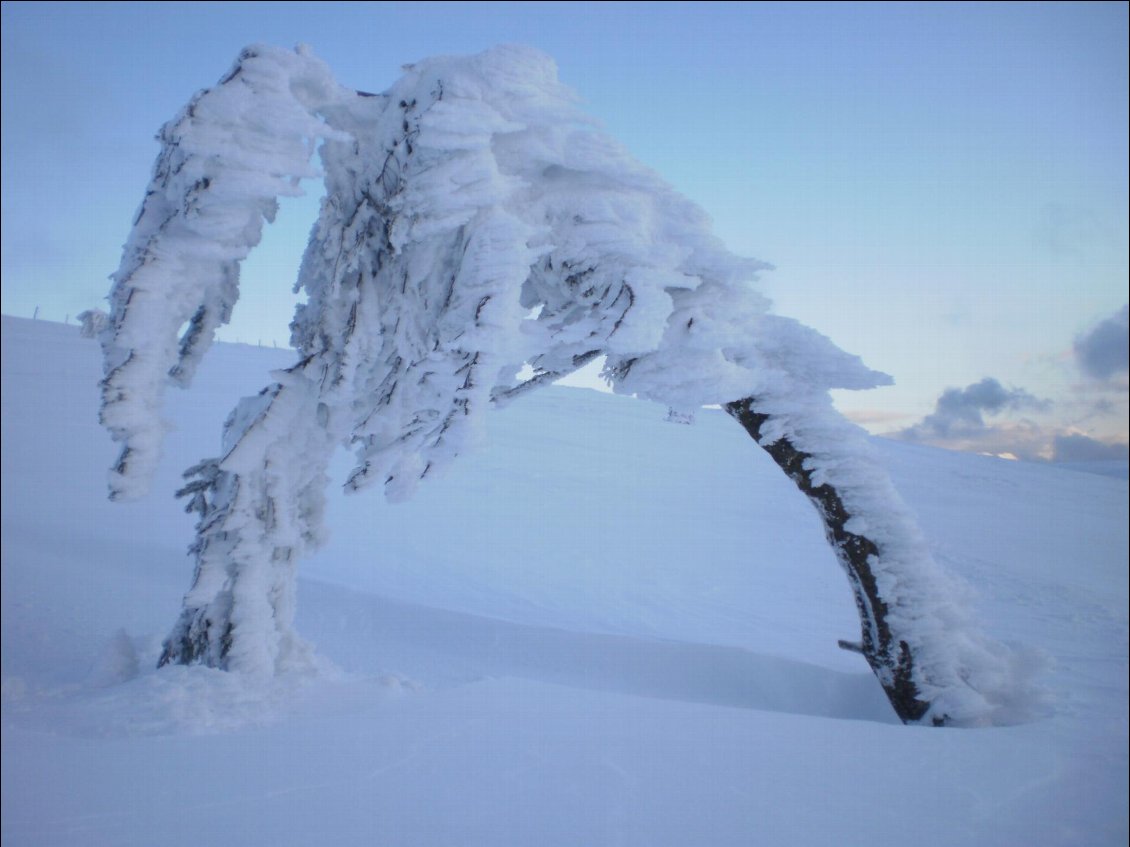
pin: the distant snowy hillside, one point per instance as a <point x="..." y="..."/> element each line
<point x="601" y="628"/>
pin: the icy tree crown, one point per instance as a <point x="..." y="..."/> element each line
<point x="474" y="222"/>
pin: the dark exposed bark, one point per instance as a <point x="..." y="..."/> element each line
<point x="197" y="639"/>
<point x="889" y="656"/>
<point x="204" y="632"/>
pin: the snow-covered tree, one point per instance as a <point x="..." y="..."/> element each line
<point x="92" y="322"/>
<point x="475" y="225"/>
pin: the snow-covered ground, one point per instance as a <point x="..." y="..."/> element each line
<point x="601" y="629"/>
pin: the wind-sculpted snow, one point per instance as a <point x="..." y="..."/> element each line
<point x="478" y="238"/>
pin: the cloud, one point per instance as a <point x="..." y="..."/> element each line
<point x="1104" y="350"/>
<point x="960" y="412"/>
<point x="1073" y="447"/>
<point x="958" y="422"/>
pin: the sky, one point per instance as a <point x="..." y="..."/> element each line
<point x="942" y="189"/>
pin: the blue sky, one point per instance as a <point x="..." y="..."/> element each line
<point x="942" y="188"/>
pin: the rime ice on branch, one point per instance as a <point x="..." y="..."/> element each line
<point x="474" y="222"/>
<point x="224" y="161"/>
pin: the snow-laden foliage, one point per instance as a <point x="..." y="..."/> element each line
<point x="92" y="322"/>
<point x="474" y="221"/>
<point x="223" y="164"/>
<point x="476" y="227"/>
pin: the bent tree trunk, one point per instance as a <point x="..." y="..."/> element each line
<point x="888" y="654"/>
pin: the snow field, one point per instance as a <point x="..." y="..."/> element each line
<point x="621" y="632"/>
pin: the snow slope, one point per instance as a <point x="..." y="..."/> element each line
<point x="600" y="629"/>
